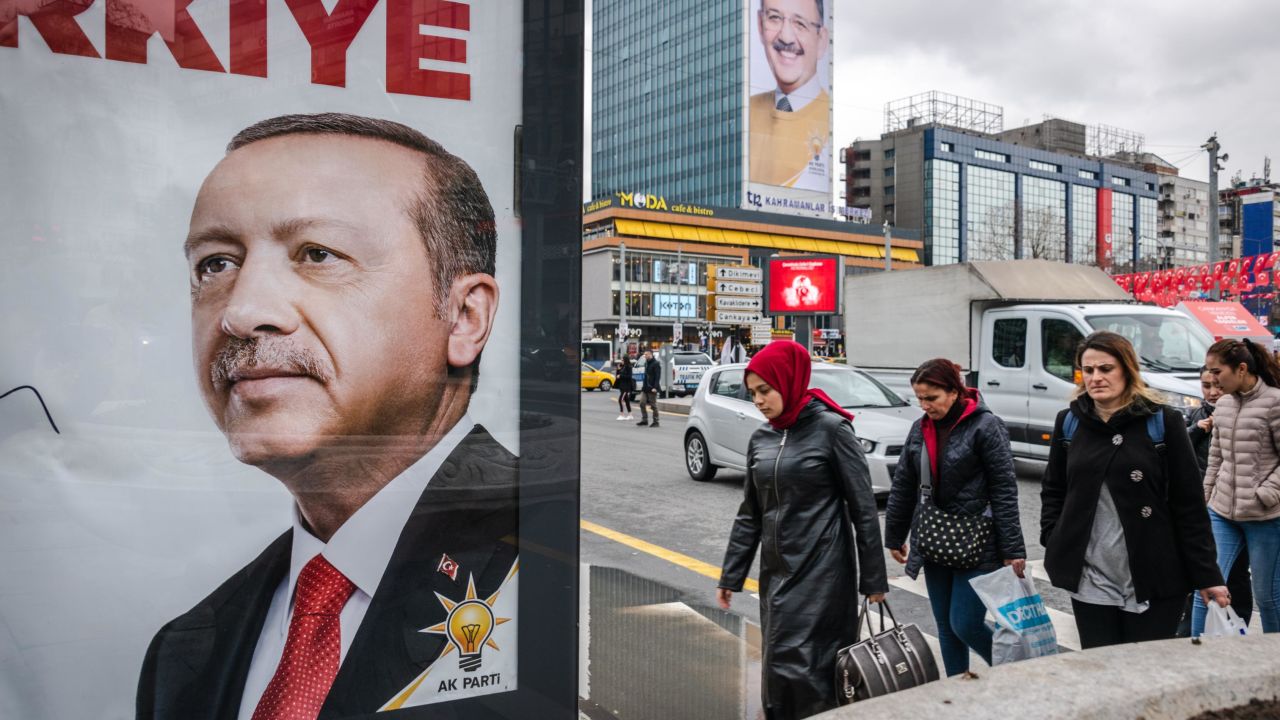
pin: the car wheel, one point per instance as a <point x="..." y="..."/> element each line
<point x="696" y="459"/>
<point x="605" y="385"/>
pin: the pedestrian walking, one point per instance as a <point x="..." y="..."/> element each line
<point x="807" y="482"/>
<point x="732" y="352"/>
<point x="956" y="460"/>
<point x="649" y="389"/>
<point x="1200" y="430"/>
<point x="1121" y="519"/>
<point x="626" y="385"/>
<point x="1242" y="483"/>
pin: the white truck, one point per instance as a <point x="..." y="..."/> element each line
<point x="1013" y="326"/>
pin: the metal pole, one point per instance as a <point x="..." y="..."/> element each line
<point x="1213" y="147"/>
<point x="679" y="339"/>
<point x="622" y="297"/>
<point x="888" y="248"/>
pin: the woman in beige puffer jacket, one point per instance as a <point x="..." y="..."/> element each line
<point x="1242" y="484"/>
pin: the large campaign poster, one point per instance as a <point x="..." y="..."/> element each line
<point x="262" y="356"/>
<point x="789" y="110"/>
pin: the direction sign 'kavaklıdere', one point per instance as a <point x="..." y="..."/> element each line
<point x="734" y="302"/>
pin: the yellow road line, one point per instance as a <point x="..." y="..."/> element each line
<point x="670" y="556"/>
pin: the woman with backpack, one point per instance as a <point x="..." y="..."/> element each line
<point x="1242" y="484"/>
<point x="1122" y="519"/>
<point x="956" y="470"/>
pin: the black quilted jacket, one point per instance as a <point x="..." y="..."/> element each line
<point x="975" y="472"/>
<point x="803" y="488"/>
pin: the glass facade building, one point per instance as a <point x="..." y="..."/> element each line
<point x="976" y="197"/>
<point x="667" y="100"/>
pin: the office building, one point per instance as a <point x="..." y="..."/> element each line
<point x="1057" y="190"/>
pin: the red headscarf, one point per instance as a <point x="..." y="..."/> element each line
<point x="785" y="365"/>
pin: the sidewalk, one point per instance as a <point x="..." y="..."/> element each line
<point x="675" y="405"/>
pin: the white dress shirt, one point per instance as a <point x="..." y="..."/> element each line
<point x="803" y="95"/>
<point x="360" y="550"/>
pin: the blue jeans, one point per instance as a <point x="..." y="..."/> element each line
<point x="959" y="615"/>
<point x="1263" y="540"/>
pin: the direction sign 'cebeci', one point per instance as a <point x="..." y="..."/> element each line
<point x="734" y="287"/>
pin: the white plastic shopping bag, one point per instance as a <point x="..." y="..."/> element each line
<point x="1223" y="622"/>
<point x="1023" y="628"/>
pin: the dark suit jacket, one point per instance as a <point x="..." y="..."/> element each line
<point x="197" y="664"/>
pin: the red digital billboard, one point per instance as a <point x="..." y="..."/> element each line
<point x="804" y="285"/>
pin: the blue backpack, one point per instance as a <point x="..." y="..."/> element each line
<point x="1155" y="428"/>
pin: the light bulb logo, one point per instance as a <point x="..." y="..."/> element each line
<point x="469" y="626"/>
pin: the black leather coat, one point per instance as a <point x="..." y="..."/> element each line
<point x="975" y="472"/>
<point x="803" y="488"/>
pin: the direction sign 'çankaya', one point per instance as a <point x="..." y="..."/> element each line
<point x="734" y="317"/>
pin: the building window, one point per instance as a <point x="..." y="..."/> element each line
<point x="1123" y="182"/>
<point x="948" y="147"/>
<point x="990" y="214"/>
<point x="942" y="211"/>
<point x="1151" y="187"/>
<point x="888" y="189"/>
<point x="888" y="154"/>
<point x="888" y="172"/>
<point x="1084" y="225"/>
<point x="1122" y="232"/>
<point x="1149" y="254"/>
<point x="1009" y="342"/>
<point x="1046" y="167"/>
<point x="1044" y="219"/>
<point x="1087" y="174"/>
<point x="862" y="174"/>
<point x="992" y="156"/>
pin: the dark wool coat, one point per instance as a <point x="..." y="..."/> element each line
<point x="652" y="375"/>
<point x="975" y="472"/>
<point x="1157" y="495"/>
<point x="804" y="486"/>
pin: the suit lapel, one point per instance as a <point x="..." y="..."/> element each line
<point x="201" y="659"/>
<point x="469" y="512"/>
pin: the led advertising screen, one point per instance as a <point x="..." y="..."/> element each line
<point x="809" y="285"/>
<point x="789" y="105"/>
<point x="260" y="445"/>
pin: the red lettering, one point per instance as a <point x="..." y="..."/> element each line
<point x="131" y="22"/>
<point x="330" y="35"/>
<point x="249" y="37"/>
<point x="406" y="45"/>
<point x="53" y="20"/>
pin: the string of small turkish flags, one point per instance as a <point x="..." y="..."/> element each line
<point x="1247" y="277"/>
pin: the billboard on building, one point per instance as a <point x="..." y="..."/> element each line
<point x="789" y="107"/>
<point x="804" y="285"/>
<point x="240" y="386"/>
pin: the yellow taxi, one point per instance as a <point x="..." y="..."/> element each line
<point x="593" y="379"/>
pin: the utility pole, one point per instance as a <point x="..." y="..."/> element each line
<point x="888" y="248"/>
<point x="1214" y="250"/>
<point x="622" y="297"/>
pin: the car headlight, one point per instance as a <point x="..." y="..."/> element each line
<point x="867" y="445"/>
<point x="1184" y="403"/>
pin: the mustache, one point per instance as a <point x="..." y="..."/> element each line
<point x="239" y="355"/>
<point x="791" y="47"/>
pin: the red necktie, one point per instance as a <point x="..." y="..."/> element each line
<point x="312" y="650"/>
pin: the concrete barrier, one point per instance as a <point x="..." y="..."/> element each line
<point x="1165" y="680"/>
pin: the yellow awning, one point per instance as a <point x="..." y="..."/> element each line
<point x="694" y="233"/>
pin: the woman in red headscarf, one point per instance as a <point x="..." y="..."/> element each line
<point x="806" y="480"/>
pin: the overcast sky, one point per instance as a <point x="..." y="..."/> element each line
<point x="1175" y="71"/>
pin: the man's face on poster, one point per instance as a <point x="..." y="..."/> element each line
<point x="314" y="312"/>
<point x="795" y="39"/>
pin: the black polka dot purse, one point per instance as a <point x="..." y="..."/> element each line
<point x="955" y="540"/>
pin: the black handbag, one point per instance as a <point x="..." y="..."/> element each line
<point x="889" y="661"/>
<point x="952" y="539"/>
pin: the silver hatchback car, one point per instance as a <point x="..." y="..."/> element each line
<point x="722" y="420"/>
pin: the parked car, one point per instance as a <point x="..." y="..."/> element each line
<point x="593" y="379"/>
<point x="722" y="420"/>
